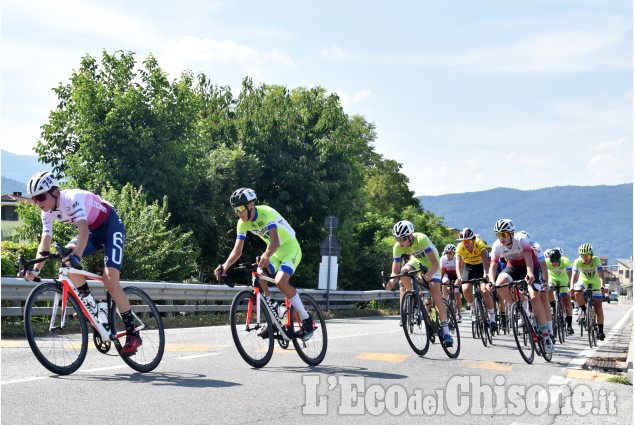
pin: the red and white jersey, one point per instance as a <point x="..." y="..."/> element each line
<point x="448" y="266"/>
<point x="515" y="254"/>
<point x="75" y="205"/>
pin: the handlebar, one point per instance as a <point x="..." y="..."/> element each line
<point x="24" y="264"/>
<point x="243" y="267"/>
<point x="476" y="280"/>
<point x="411" y="274"/>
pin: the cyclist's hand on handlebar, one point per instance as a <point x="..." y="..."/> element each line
<point x="72" y="260"/>
<point x="220" y="271"/>
<point x="389" y="285"/>
<point x="30" y="274"/>
<point x="530" y="279"/>
<point x="264" y="261"/>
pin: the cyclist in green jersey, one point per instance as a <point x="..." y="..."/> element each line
<point x="422" y="252"/>
<point x="588" y="269"/>
<point x="559" y="268"/>
<point x="280" y="259"/>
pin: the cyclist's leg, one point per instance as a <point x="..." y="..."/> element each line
<point x="579" y="297"/>
<point x="489" y="302"/>
<point x="457" y="297"/>
<point x="444" y="288"/>
<point x="504" y="277"/>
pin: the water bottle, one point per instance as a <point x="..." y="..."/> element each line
<point x="102" y="312"/>
<point x="89" y="302"/>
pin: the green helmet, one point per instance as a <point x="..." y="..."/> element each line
<point x="585" y="248"/>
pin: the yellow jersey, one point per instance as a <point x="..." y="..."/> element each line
<point x="474" y="256"/>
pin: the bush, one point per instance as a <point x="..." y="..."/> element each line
<point x="10" y="253"/>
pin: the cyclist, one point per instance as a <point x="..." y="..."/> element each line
<point x="472" y="262"/>
<point x="588" y="268"/>
<point x="516" y="248"/>
<point x="280" y="258"/>
<point x="422" y="252"/>
<point x="559" y="268"/>
<point x="539" y="260"/>
<point x="99" y="228"/>
<point x="448" y="275"/>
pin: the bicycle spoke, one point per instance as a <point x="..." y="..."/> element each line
<point x="252" y="334"/>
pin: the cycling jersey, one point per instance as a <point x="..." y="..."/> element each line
<point x="538" y="255"/>
<point x="515" y="254"/>
<point x="418" y="251"/>
<point x="448" y="266"/>
<point x="75" y="205"/>
<point x="288" y="255"/>
<point x="558" y="275"/>
<point x="266" y="218"/>
<point x="589" y="273"/>
<point x="473" y="256"/>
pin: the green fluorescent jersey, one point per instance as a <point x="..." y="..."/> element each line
<point x="266" y="218"/>
<point x="588" y="273"/>
<point x="418" y="250"/>
<point x="559" y="274"/>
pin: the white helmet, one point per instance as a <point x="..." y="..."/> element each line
<point x="41" y="182"/>
<point x="449" y="248"/>
<point x="403" y="228"/>
<point x="504" y="225"/>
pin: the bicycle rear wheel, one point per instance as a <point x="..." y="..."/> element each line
<point x="483" y="320"/>
<point x="61" y="350"/>
<point x="148" y="323"/>
<point x="560" y="327"/>
<point x="252" y="334"/>
<point x="522" y="333"/>
<point x="414" y="325"/>
<point x="312" y="352"/>
<point x="453" y="327"/>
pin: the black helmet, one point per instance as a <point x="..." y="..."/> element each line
<point x="242" y="196"/>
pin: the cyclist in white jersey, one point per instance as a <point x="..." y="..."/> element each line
<point x="517" y="250"/>
<point x="99" y="228"/>
<point x="448" y="274"/>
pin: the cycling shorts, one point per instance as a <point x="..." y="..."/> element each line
<point x="414" y="265"/>
<point x="512" y="273"/>
<point x="597" y="292"/>
<point x="109" y="236"/>
<point x="286" y="258"/>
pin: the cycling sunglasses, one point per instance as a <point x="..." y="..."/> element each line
<point x="39" y="198"/>
<point x="402" y="239"/>
<point x="239" y="209"/>
<point x="503" y="235"/>
<point x="586" y="256"/>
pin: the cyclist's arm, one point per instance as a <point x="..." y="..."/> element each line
<point x="233" y="257"/>
<point x="82" y="239"/>
<point x="45" y="246"/>
<point x="396" y="268"/>
<point x="434" y="266"/>
<point x="271" y="248"/>
<point x="545" y="272"/>
<point x="574" y="279"/>
<point x="492" y="271"/>
<point x="485" y="261"/>
<point x="529" y="263"/>
<point x="601" y="275"/>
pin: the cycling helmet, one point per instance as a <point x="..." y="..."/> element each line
<point x="504" y="225"/>
<point x="466" y="234"/>
<point x="585" y="248"/>
<point x="403" y="228"/>
<point x="554" y="254"/>
<point x="40" y="183"/>
<point x="449" y="248"/>
<point x="242" y="196"/>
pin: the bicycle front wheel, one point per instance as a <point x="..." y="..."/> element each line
<point x="252" y="332"/>
<point x="591" y="327"/>
<point x="312" y="352"/>
<point x="148" y="323"/>
<point x="453" y="350"/>
<point x="522" y="333"/>
<point x="414" y="324"/>
<point x="483" y="320"/>
<point x="560" y="327"/>
<point x="60" y="349"/>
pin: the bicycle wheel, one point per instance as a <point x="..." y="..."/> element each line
<point x="591" y="328"/>
<point x="560" y="321"/>
<point x="61" y="350"/>
<point x="453" y="327"/>
<point x="414" y="325"/>
<point x="148" y="323"/>
<point x="246" y="328"/>
<point x="485" y="331"/>
<point x="522" y="333"/>
<point x="313" y="350"/>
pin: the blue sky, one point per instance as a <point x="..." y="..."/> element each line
<point x="467" y="95"/>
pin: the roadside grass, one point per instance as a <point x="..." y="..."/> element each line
<point x="620" y="380"/>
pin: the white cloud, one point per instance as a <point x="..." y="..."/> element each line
<point x="334" y="53"/>
<point x="609" y="145"/>
<point x="357" y="97"/>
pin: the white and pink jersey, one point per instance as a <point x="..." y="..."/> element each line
<point x="515" y="254"/>
<point x="75" y="205"/>
<point x="448" y="266"/>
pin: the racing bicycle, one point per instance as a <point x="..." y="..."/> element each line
<point x="56" y="317"/>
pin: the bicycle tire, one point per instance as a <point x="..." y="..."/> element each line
<point x="254" y="349"/>
<point x="489" y="333"/>
<point x="483" y="324"/>
<point x="591" y="327"/>
<point x="560" y="321"/>
<point x="312" y="352"/>
<point x="414" y="324"/>
<point x="522" y="331"/>
<point x="62" y="351"/>
<point x="453" y="351"/>
<point x="148" y="322"/>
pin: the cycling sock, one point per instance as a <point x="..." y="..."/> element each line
<point x="552" y="304"/>
<point x="83" y="290"/>
<point x="296" y="302"/>
<point x="444" y="326"/>
<point x="550" y="326"/>
<point x="601" y="328"/>
<point x="545" y="332"/>
<point x="492" y="315"/>
<point x="583" y="307"/>
<point x="569" y="321"/>
<point x="128" y="322"/>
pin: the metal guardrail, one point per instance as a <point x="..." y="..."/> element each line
<point x="189" y="297"/>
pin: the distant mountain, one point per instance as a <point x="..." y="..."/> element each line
<point x="564" y="216"/>
<point x="19" y="167"/>
<point x="9" y="186"/>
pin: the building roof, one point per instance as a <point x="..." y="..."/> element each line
<point x="626" y="263"/>
<point x="16" y="197"/>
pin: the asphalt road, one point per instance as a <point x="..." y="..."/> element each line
<point x="369" y="374"/>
